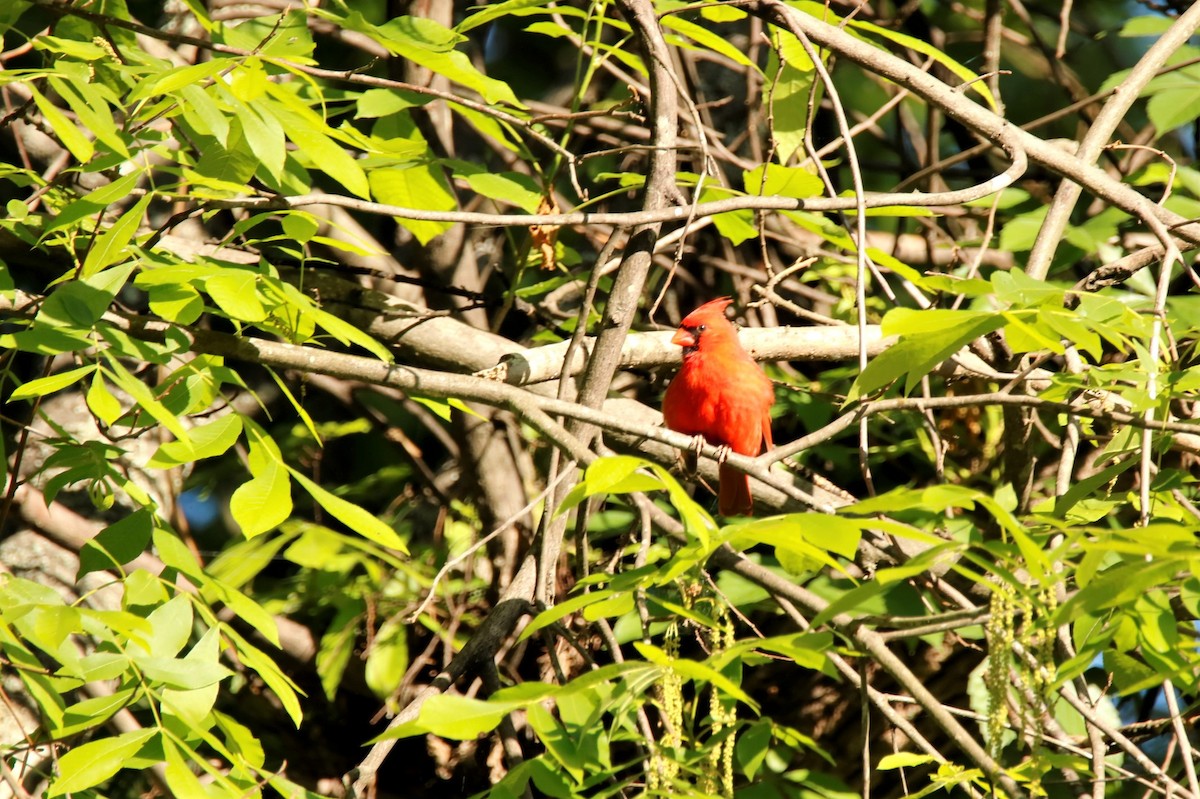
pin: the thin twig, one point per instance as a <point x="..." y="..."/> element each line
<point x="471" y="550"/>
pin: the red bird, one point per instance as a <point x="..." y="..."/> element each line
<point x="722" y="395"/>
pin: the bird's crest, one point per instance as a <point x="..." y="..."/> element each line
<point x="709" y="310"/>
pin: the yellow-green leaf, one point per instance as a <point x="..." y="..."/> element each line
<point x="264" y="502"/>
<point x="48" y="385"/>
<point x="94" y="762"/>
<point x="109" y="246"/>
<point x="79" y="145"/>
<point x="351" y="515"/>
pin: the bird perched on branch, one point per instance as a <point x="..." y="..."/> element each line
<point x="722" y="395"/>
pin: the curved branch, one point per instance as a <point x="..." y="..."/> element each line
<point x="647" y="216"/>
<point x="1097" y="137"/>
<point x="978" y="119"/>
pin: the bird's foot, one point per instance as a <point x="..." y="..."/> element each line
<point x="723" y="453"/>
<point x="698" y="443"/>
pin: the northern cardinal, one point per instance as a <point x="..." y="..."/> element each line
<point x="722" y="395"/>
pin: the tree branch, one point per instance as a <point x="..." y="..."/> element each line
<point x="978" y="119"/>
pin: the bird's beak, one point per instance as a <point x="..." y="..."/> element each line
<point x="683" y="338"/>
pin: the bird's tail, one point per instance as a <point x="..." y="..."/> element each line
<point x="733" y="498"/>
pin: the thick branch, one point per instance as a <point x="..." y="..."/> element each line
<point x="653" y="350"/>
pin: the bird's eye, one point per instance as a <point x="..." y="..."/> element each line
<point x="702" y="328"/>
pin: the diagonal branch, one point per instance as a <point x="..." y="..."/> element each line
<point x="1097" y="137"/>
<point x="983" y="122"/>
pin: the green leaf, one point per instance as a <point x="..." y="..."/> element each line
<point x="1070" y="327"/>
<point x="171" y="627"/>
<point x="66" y="319"/>
<point x="1173" y="109"/>
<point x="1146" y="26"/>
<point x="375" y="103"/>
<point x="708" y="39"/>
<point x="242" y="740"/>
<point x="1129" y="674"/>
<point x="242" y="561"/>
<point x="1021" y="291"/>
<point x="109" y="246"/>
<point x="834" y="534"/>
<point x="507" y="187"/>
<point x="693" y="670"/>
<point x="460" y="718"/>
<point x="264" y="136"/>
<point x="968" y="77"/>
<point x="931" y="336"/>
<point x="102" y="666"/>
<point x="904" y="760"/>
<point x="347" y="333"/>
<point x="94" y="762"/>
<point x="223" y="170"/>
<point x="440" y="407"/>
<point x="101" y="401"/>
<point x="806" y="650"/>
<point x="172" y="80"/>
<point x="300" y="226"/>
<point x="175" y="553"/>
<point x="181" y="780"/>
<point x="617" y="605"/>
<point x="421" y="187"/>
<point x="484" y="14"/>
<point x="88" y="102"/>
<point x="202" y="113"/>
<point x="563" y="609"/>
<point x="291" y="790"/>
<point x="181" y="674"/>
<point x="79" y="145"/>
<point x="388" y="659"/>
<point x="43" y="690"/>
<point x="423" y="41"/>
<point x="142" y="588"/>
<point x="143" y="396"/>
<point x="753" y="746"/>
<point x="360" y="521"/>
<point x="1117" y="586"/>
<point x="782" y="181"/>
<point x="1019" y="234"/>
<point x="337" y="644"/>
<point x="611" y="474"/>
<point x="280" y="684"/>
<point x="92" y="712"/>
<point x="263" y="502"/>
<point x="790" y="82"/>
<point x="311" y="135"/>
<point x="802" y="541"/>
<point x="235" y="291"/>
<point x="1025" y="335"/>
<point x="48" y="385"/>
<point x="117" y="544"/>
<point x="244" y="607"/>
<point x="7" y="287"/>
<point x="206" y="441"/>
<point x="279" y="36"/>
<point x="737" y="226"/>
<point x="560" y="744"/>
